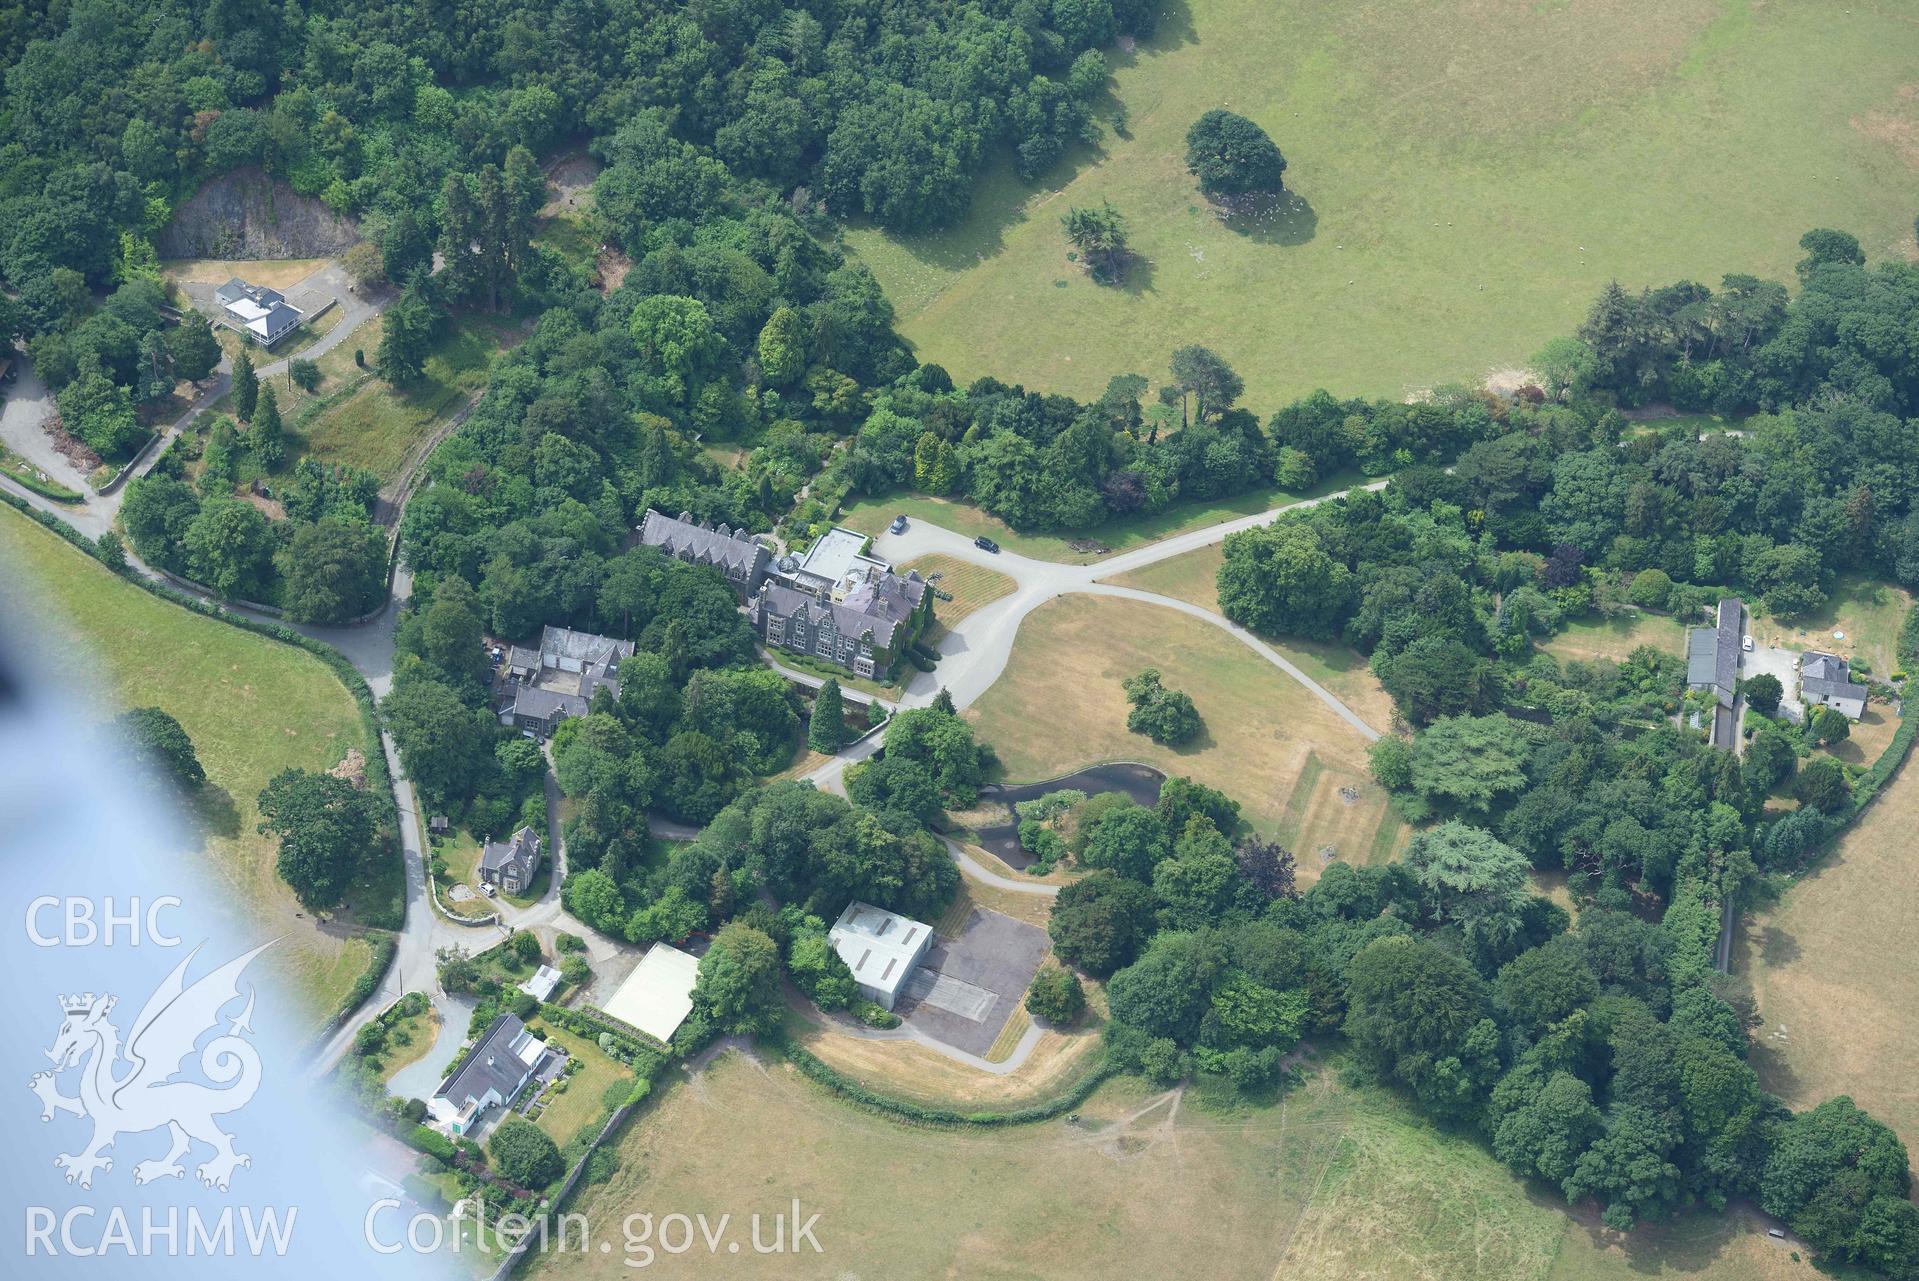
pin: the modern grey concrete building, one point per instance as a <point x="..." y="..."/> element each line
<point x="881" y="948"/>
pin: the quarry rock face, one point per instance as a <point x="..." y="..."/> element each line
<point x="246" y="214"/>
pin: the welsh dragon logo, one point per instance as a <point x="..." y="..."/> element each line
<point x="142" y="1095"/>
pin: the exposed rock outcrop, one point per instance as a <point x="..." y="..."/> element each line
<point x="245" y="214"/>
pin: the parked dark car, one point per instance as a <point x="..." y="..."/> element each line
<point x="899" y="524"/>
<point x="985" y="544"/>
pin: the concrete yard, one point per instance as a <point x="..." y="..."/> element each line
<point x="1784" y="664"/>
<point x="970" y="984"/>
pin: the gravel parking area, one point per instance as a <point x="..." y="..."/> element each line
<point x="1782" y="663"/>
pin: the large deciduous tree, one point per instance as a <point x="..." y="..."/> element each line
<point x="158" y="737"/>
<point x="1281" y="580"/>
<point x="739" y="980"/>
<point x="324" y="825"/>
<point x="1231" y="156"/>
<point x="334" y="571"/>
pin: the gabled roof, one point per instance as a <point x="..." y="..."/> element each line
<point x="521" y="853"/>
<point x="584" y="647"/>
<point x="724" y="546"/>
<point x="880" y="947"/>
<point x="1824" y="675"/>
<point x="1712" y="653"/>
<point x="541" y="704"/>
<point x="878" y="605"/>
<point x="499" y="1061"/>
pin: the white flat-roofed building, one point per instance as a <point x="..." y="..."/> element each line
<point x="262" y="314"/>
<point x="540" y="986"/>
<point x="658" y="995"/>
<point x="880" y="947"/>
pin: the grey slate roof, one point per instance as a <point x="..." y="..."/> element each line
<point x="1823" y="675"/>
<point x="236" y="289"/>
<point x="731" y="549"/>
<point x="878" y="605"/>
<point x="490" y="1064"/>
<point x="584" y="647"/>
<point x="1702" y="655"/>
<point x="521" y="853"/>
<point x="1712" y="653"/>
<point x="280" y="318"/>
<point x="541" y="704"/>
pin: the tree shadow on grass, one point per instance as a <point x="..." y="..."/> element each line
<point x="219" y="816"/>
<point x="1774" y="946"/>
<point x="1137" y="277"/>
<point x="1286" y="218"/>
<point x="1768" y="1059"/>
<point x="1175" y="29"/>
<point x="1690" y="1244"/>
<point x="1200" y="742"/>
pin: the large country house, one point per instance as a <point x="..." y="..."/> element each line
<point x="544" y="686"/>
<point x="733" y="552"/>
<point x="842" y="606"/>
<point x="837" y="604"/>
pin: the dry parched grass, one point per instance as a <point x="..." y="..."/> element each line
<point x="1059" y="706"/>
<point x="971" y="585"/>
<point x="1194" y="577"/>
<point x="1338" y="813"/>
<point x="1327" y="1183"/>
<point x="1835" y="973"/>
<point x="274" y="273"/>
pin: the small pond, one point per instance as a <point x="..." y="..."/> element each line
<point x="1141" y="782"/>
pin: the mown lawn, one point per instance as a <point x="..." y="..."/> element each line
<point x="1467" y="177"/>
<point x="1194" y="577"/>
<point x="378" y="426"/>
<point x="872" y="516"/>
<point x="1836" y="977"/>
<point x="252" y="707"/>
<point x="408" y="1041"/>
<point x="970" y="585"/>
<point x="584" y="1098"/>
<point x="1059" y="706"/>
<point x="1617" y="637"/>
<point x="1868" y="611"/>
<point x="1329" y="1184"/>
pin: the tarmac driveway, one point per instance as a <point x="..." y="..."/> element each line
<point x="420" y="1078"/>
<point x="968" y="986"/>
<point x="27" y="407"/>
